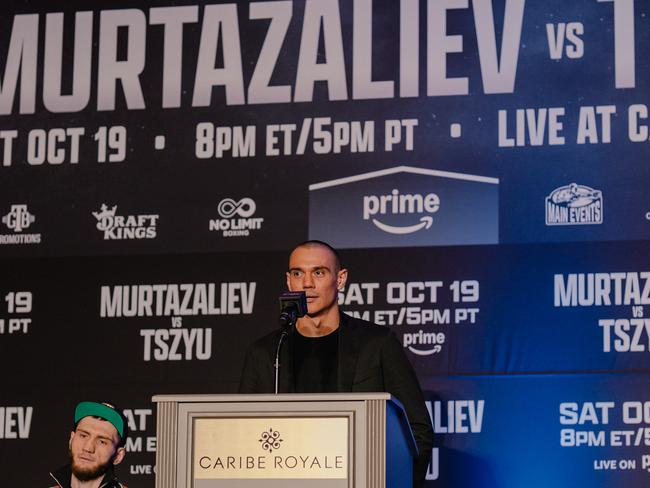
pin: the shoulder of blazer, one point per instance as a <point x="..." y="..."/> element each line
<point x="362" y="328"/>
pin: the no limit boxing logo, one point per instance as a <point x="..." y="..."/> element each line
<point x="229" y="208"/>
<point x="236" y="218"/>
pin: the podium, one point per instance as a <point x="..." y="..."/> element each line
<point x="333" y="440"/>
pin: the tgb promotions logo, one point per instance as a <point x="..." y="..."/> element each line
<point x="236" y="218"/>
<point x="574" y="205"/>
<point x="19" y="219"/>
<point x="405" y="206"/>
<point x="117" y="227"/>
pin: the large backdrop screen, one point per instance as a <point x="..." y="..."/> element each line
<point x="483" y="166"/>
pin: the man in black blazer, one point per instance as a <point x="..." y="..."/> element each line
<point x="332" y="352"/>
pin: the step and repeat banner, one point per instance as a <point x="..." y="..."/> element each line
<point x="481" y="164"/>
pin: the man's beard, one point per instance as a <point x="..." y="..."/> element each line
<point x="89" y="474"/>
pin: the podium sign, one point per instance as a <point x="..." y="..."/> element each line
<point x="334" y="440"/>
<point x="269" y="448"/>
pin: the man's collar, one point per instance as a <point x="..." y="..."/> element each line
<point x="63" y="477"/>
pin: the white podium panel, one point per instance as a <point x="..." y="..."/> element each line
<point x="281" y="441"/>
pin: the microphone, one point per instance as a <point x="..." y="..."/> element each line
<point x="293" y="304"/>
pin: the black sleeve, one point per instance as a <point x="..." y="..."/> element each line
<point x="400" y="380"/>
<point x="248" y="381"/>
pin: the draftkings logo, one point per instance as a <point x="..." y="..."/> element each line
<point x="17" y="220"/>
<point x="117" y="227"/>
<point x="574" y="205"/>
<point x="236" y="218"/>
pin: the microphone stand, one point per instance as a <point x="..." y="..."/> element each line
<point x="285" y="332"/>
<point x="277" y="359"/>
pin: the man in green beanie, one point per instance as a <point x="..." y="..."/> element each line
<point x="96" y="445"/>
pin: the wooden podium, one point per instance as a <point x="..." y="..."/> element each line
<point x="334" y="440"/>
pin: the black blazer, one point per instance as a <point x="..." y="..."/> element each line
<point x="370" y="360"/>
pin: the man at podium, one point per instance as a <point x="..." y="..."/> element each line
<point x="330" y="351"/>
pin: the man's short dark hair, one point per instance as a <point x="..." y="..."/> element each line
<point x="316" y="242"/>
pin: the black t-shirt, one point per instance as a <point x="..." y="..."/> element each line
<point x="315" y="363"/>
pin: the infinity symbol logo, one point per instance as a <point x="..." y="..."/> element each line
<point x="244" y="208"/>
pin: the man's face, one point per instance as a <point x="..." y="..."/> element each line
<point x="313" y="269"/>
<point x="93" y="448"/>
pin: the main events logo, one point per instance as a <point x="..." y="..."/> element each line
<point x="19" y="219"/>
<point x="574" y="205"/>
<point x="117" y="227"/>
<point x="236" y="218"/>
<point x="405" y="206"/>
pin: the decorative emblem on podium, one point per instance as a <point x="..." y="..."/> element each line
<point x="270" y="440"/>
